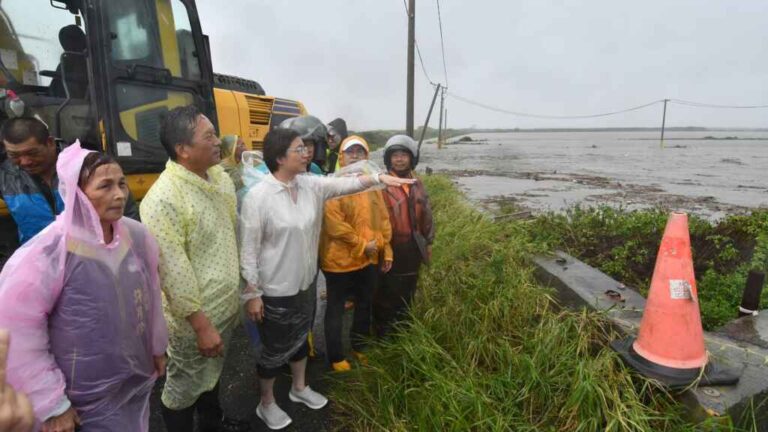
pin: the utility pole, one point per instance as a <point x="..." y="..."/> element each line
<point x="445" y="121"/>
<point x="411" y="45"/>
<point x="663" y="122"/>
<point x="426" y="122"/>
<point x="440" y="123"/>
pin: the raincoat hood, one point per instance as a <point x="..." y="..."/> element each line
<point x="228" y="147"/>
<point x="340" y="126"/>
<point x="79" y="218"/>
<point x="229" y="161"/>
<point x="349" y="142"/>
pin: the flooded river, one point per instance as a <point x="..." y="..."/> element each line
<point x="697" y="172"/>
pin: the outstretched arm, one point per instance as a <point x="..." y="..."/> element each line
<point x="332" y="187"/>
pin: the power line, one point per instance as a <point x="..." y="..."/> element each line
<point x="418" y="51"/>
<point x="442" y="44"/>
<point x="421" y="61"/>
<point x="544" y="116"/>
<point x="707" y="105"/>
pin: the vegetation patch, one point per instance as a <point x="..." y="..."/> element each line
<point x="486" y="348"/>
<point x="624" y="245"/>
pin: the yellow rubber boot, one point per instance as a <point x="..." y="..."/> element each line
<point x="342" y="366"/>
<point x="362" y="358"/>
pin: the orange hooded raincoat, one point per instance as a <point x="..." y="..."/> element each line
<point x="350" y="222"/>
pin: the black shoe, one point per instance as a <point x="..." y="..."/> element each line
<point x="229" y="424"/>
<point x="226" y="424"/>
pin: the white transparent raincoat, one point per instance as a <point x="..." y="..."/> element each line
<point x="279" y="244"/>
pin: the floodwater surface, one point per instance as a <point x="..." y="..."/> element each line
<point x="697" y="172"/>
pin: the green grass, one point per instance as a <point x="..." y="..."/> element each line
<point x="487" y="349"/>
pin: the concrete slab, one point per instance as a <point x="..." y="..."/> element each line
<point x="749" y="329"/>
<point x="579" y="285"/>
<point x="743" y="344"/>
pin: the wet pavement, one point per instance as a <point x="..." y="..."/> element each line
<point x="545" y="171"/>
<point x="239" y="386"/>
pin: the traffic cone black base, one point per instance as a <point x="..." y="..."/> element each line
<point x="674" y="378"/>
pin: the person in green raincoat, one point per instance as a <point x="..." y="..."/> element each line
<point x="232" y="148"/>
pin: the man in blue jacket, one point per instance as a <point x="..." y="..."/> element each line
<point x="28" y="182"/>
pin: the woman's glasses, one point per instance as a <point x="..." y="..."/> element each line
<point x="302" y="150"/>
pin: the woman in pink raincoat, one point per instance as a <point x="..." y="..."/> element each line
<point x="82" y="301"/>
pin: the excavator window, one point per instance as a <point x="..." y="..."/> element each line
<point x="71" y="76"/>
<point x="31" y="45"/>
<point x="156" y="34"/>
<point x="152" y="39"/>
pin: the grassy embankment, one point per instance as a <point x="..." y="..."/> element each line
<point x="488" y="349"/>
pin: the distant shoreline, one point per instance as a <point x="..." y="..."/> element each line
<point x="377" y="137"/>
<point x="617" y="129"/>
<point x="432" y="132"/>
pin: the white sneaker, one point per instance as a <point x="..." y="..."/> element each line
<point x="308" y="397"/>
<point x="274" y="417"/>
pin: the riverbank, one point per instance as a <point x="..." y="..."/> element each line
<point x="489" y="349"/>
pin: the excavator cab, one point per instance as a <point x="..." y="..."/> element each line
<point x="105" y="72"/>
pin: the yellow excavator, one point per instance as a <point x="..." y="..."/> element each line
<point x="106" y="71"/>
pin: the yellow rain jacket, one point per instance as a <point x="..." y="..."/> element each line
<point x="228" y="161"/>
<point x="349" y="223"/>
<point x="194" y="222"/>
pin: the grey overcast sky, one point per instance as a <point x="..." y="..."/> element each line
<point x="348" y="58"/>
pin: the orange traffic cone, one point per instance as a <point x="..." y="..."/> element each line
<point x="670" y="344"/>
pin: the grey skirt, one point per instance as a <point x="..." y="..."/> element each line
<point x="285" y="327"/>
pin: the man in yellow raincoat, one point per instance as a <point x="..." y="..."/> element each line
<point x="191" y="211"/>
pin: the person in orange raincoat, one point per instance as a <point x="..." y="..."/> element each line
<point x="354" y="241"/>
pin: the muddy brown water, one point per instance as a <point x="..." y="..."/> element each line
<point x="545" y="171"/>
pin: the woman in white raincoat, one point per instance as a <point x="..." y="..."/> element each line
<point x="280" y="224"/>
<point x="82" y="300"/>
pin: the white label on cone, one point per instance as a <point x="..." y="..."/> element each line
<point x="679" y="289"/>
